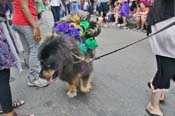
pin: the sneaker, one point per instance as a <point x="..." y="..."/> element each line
<point x="38" y="83"/>
<point x="122" y="25"/>
<point x="118" y="25"/>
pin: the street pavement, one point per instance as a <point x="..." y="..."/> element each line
<point x="119" y="84"/>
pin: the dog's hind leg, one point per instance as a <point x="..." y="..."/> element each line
<point x="72" y="92"/>
<point x="85" y="84"/>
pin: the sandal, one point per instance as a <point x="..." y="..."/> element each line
<point x="162" y="99"/>
<point x="15" y="114"/>
<point x="15" y="104"/>
<point x="151" y="114"/>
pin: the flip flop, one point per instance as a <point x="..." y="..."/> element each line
<point x="151" y="114"/>
<point x="15" y="104"/>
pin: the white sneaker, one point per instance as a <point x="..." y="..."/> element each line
<point x="38" y="83"/>
<point x="118" y="25"/>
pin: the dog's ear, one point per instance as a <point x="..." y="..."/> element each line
<point x="47" y="47"/>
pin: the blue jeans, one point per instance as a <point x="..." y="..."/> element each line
<point x="67" y="8"/>
<point x="30" y="50"/>
<point x="92" y="8"/>
<point x="75" y="7"/>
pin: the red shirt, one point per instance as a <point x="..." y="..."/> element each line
<point x="44" y="1"/>
<point x="18" y="17"/>
<point x="146" y="9"/>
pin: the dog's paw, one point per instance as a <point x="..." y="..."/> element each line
<point x="71" y="94"/>
<point x="89" y="86"/>
<point x="84" y="90"/>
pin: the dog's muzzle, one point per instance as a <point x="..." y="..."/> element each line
<point x="47" y="73"/>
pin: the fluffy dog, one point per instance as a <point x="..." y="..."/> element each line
<point x="61" y="57"/>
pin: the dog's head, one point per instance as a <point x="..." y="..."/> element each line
<point x="55" y="56"/>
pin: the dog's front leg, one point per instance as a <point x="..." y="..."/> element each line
<point x="72" y="92"/>
<point x="85" y="84"/>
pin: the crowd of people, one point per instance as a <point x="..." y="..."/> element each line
<point x="24" y="22"/>
<point x="121" y="11"/>
<point x="117" y="11"/>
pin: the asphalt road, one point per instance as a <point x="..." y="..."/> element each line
<point x="119" y="84"/>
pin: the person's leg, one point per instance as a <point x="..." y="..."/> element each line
<point x="116" y="18"/>
<point x="101" y="9"/>
<point x="106" y="8"/>
<point x="34" y="65"/>
<point x="162" y="97"/>
<point x="27" y="34"/>
<point x="60" y="13"/>
<point x="153" y="105"/>
<point x="26" y="49"/>
<point x="161" y="81"/>
<point x="73" y="7"/>
<point x="143" y="20"/>
<point x="68" y="8"/>
<point x="54" y="13"/>
<point x="92" y="8"/>
<point x="5" y="92"/>
<point x="138" y="21"/>
<point x="77" y="7"/>
<point x="124" y="20"/>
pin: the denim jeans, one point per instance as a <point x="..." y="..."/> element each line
<point x="92" y="8"/>
<point x="67" y="8"/>
<point x="75" y="7"/>
<point x="30" y="50"/>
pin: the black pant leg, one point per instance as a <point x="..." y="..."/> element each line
<point x="5" y="92"/>
<point x="55" y="13"/>
<point x="165" y="72"/>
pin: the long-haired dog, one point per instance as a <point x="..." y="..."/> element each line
<point x="60" y="56"/>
